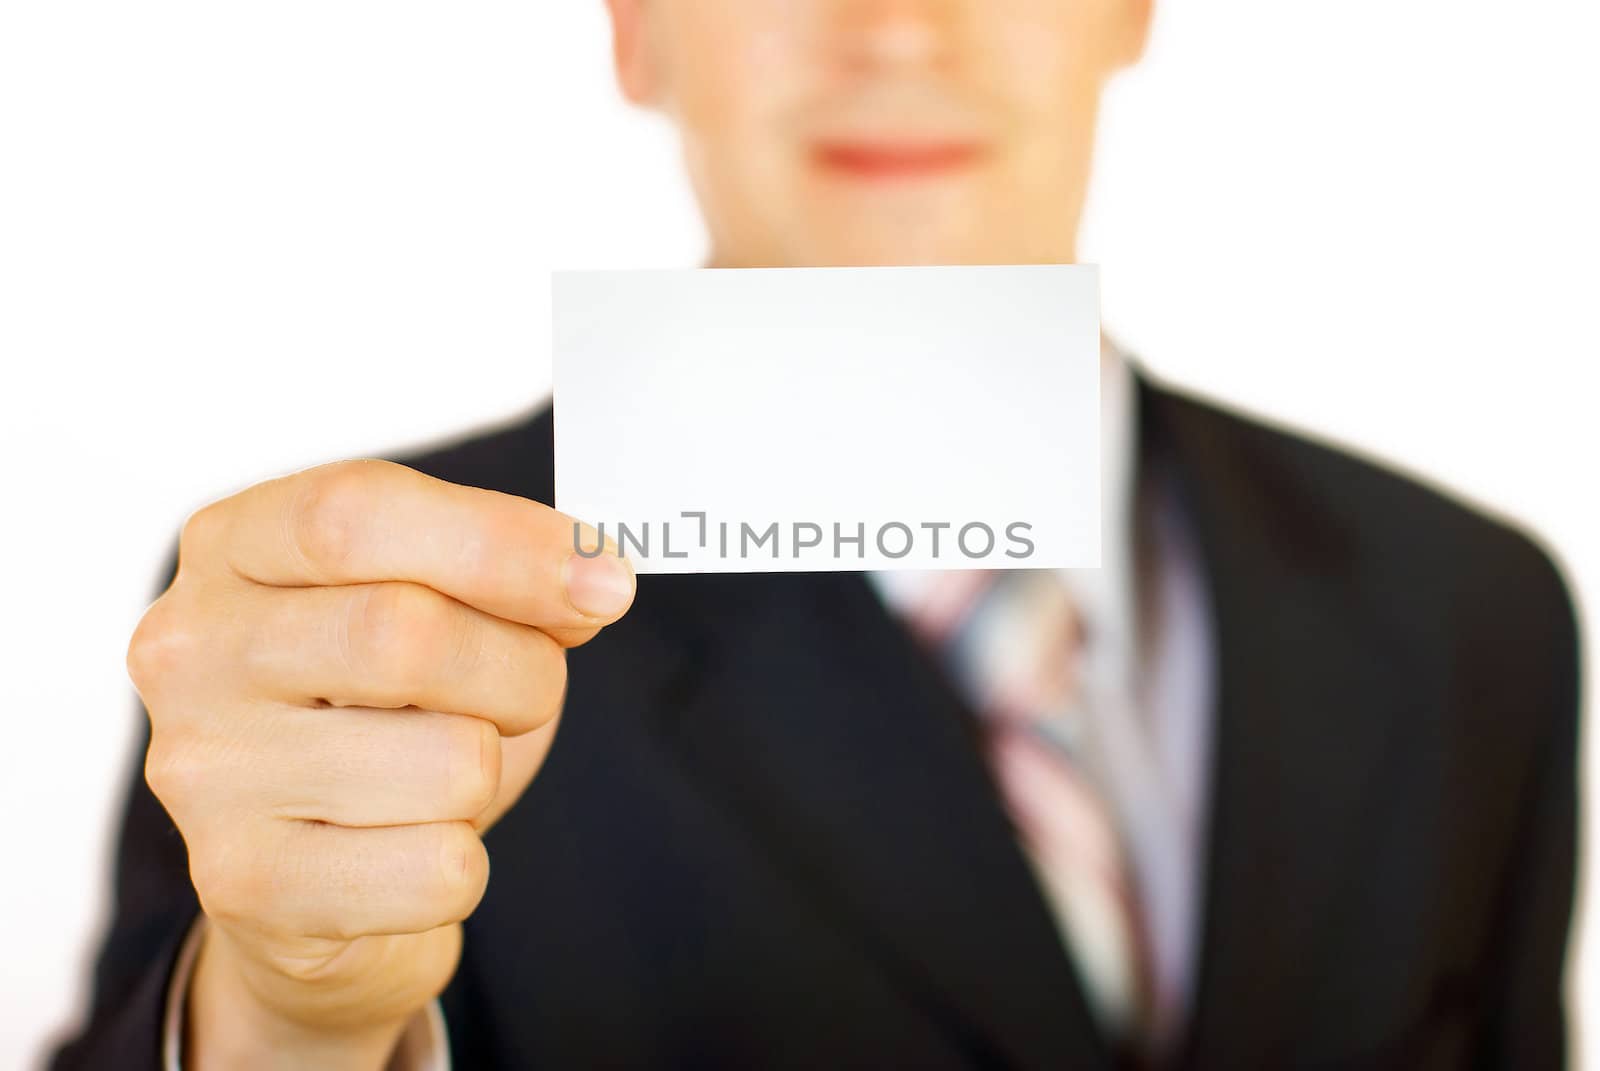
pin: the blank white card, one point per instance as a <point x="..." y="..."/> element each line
<point x="798" y="419"/>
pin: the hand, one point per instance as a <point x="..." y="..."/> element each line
<point x="356" y="671"/>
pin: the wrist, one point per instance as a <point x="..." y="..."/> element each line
<point x="228" y="1026"/>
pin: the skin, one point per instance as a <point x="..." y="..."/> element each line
<point x="355" y="672"/>
<point x="762" y="90"/>
<point x="359" y="668"/>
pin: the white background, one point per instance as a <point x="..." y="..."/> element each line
<point x="237" y="239"/>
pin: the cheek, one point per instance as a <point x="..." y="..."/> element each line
<point x="1043" y="73"/>
<point x="735" y="66"/>
<point x="1050" y="54"/>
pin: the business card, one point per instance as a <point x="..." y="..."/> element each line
<point x="805" y="419"/>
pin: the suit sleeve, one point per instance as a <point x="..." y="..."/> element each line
<point x="153" y="907"/>
<point x="1525" y="1020"/>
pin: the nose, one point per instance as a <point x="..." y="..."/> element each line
<point x="893" y="33"/>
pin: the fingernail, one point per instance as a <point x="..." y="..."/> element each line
<point x="600" y="586"/>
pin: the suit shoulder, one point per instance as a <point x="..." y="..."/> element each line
<point x="1419" y="547"/>
<point x="515" y="458"/>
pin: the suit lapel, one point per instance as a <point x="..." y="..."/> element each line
<point x="819" y="724"/>
<point x="816" y="722"/>
<point x="1298" y="735"/>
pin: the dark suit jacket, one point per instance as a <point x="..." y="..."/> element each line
<point x="763" y="838"/>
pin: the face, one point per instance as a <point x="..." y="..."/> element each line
<point x="838" y="132"/>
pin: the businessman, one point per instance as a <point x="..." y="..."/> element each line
<point x="1290" y="782"/>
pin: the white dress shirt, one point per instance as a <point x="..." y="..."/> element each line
<point x="1148" y="664"/>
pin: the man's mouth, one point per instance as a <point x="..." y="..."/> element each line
<point x="885" y="160"/>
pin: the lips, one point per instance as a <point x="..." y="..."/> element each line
<point x="881" y="160"/>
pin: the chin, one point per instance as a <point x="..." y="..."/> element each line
<point x="872" y="242"/>
<point x="912" y="251"/>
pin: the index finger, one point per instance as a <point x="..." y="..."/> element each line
<point x="360" y="522"/>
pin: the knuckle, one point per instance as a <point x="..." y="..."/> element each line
<point x="463" y="869"/>
<point x="326" y="512"/>
<point x="163" y="643"/>
<point x="175" y="770"/>
<point x="376" y="615"/>
<point x="545" y="682"/>
<point x="552" y="687"/>
<point x="401" y="632"/>
<point x="473" y="767"/>
<point x="202" y="531"/>
<point x="558" y="679"/>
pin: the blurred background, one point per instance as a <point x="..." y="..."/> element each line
<point x="237" y="240"/>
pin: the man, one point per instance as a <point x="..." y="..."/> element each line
<point x="1289" y="783"/>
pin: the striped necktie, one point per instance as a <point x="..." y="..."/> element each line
<point x="1012" y="642"/>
